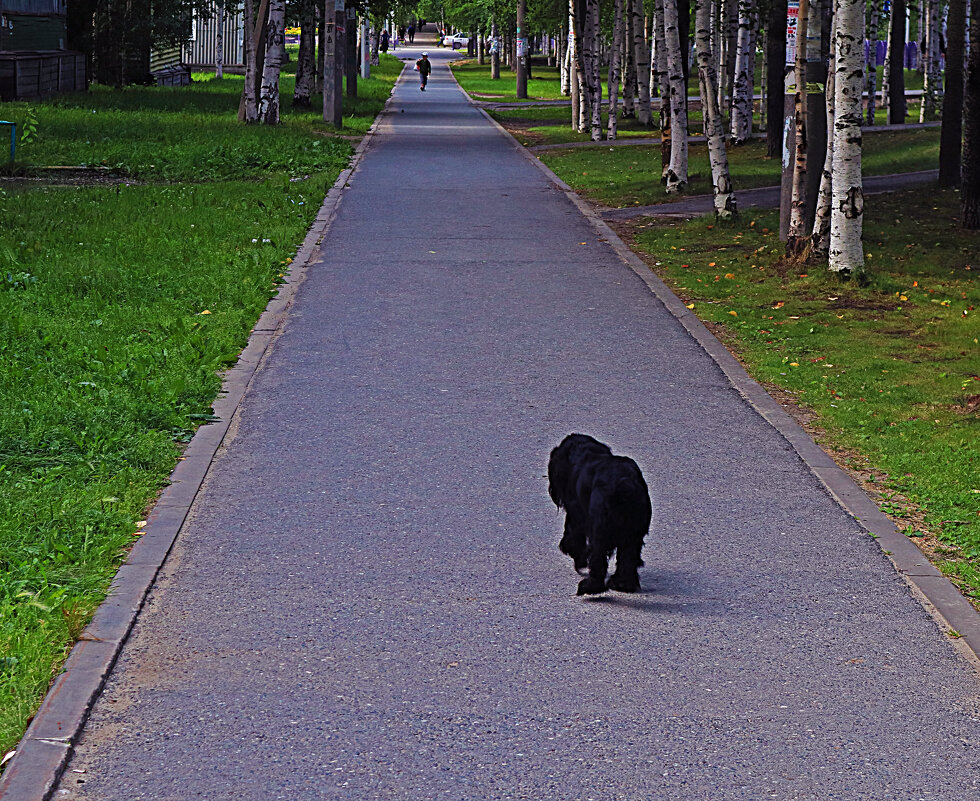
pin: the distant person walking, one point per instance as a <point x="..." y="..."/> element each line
<point x="424" y="66"/>
<point x="385" y="38"/>
<point x="411" y="34"/>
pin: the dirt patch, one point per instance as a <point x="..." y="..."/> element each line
<point x="69" y="176"/>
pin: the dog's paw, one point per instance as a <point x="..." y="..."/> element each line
<point x="591" y="586"/>
<point x="624" y="583"/>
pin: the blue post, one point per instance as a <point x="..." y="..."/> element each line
<point x="13" y="137"/>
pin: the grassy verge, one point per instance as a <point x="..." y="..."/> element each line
<point x="119" y="306"/>
<point x="551" y="125"/>
<point x="629" y="176"/>
<point x="885" y="375"/>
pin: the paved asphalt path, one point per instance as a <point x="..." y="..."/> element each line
<point x="369" y="603"/>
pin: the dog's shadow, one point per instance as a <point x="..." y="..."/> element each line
<point x="660" y="593"/>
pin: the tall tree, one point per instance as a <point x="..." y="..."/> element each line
<point x="820" y="238"/>
<point x="615" y="54"/>
<point x="871" y="67"/>
<point x="847" y="209"/>
<point x="268" y="110"/>
<point x="724" y="197"/>
<point x="663" y="83"/>
<point x="677" y="172"/>
<point x="775" y="74"/>
<point x="970" y="187"/>
<point x="896" y="64"/>
<point x="950" y="137"/>
<point x="742" y="92"/>
<point x="306" y="60"/>
<point x="796" y="241"/>
<point x="641" y="64"/>
<point x="932" y="83"/>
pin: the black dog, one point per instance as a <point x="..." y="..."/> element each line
<point x="607" y="508"/>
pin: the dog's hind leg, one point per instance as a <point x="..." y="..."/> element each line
<point x="626" y="578"/>
<point x="595" y="582"/>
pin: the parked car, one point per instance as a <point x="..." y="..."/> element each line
<point x="457" y="40"/>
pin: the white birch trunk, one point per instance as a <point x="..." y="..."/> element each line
<point x="886" y="73"/>
<point x="615" y="52"/>
<point x="268" y="109"/>
<point x="744" y="73"/>
<point x="871" y="66"/>
<point x="677" y="171"/>
<point x="641" y="60"/>
<point x="595" y="73"/>
<point x="219" y="44"/>
<point x="566" y="83"/>
<point x="796" y="236"/>
<point x="660" y="66"/>
<point x="724" y="198"/>
<point x="932" y="85"/>
<point x="820" y="238"/>
<point x="628" y="62"/>
<point x="847" y="208"/>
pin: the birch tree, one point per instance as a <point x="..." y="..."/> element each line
<point x="677" y="171"/>
<point x="796" y="240"/>
<point x="306" y="60"/>
<point x="847" y="209"/>
<point x="820" y="238"/>
<point x="742" y="91"/>
<point x="256" y="19"/>
<point x="268" y="110"/>
<point x="615" y="54"/>
<point x="724" y="198"/>
<point x="219" y="44"/>
<point x="871" y="67"/>
<point x="594" y="73"/>
<point x="970" y="187"/>
<point x="932" y="83"/>
<point x="641" y="64"/>
<point x="950" y="144"/>
<point x="660" y="68"/>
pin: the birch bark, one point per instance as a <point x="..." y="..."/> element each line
<point x="660" y="65"/>
<point x="724" y="198"/>
<point x="219" y="44"/>
<point x="628" y="62"/>
<point x="932" y="85"/>
<point x="871" y="65"/>
<point x="677" y="171"/>
<point x="641" y="62"/>
<point x="615" y="52"/>
<point x="796" y="241"/>
<point x="595" y="80"/>
<point x="744" y="73"/>
<point x="268" y="110"/>
<point x="820" y="238"/>
<point x="306" y="61"/>
<point x="970" y="187"/>
<point x="846" y="220"/>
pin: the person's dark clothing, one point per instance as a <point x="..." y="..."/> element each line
<point x="383" y="47"/>
<point x="424" y="66"/>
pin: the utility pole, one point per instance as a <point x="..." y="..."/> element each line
<point x="521" y="50"/>
<point x="350" y="52"/>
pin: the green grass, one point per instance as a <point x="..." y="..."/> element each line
<point x="119" y="307"/>
<point x="890" y="369"/>
<point x="628" y="176"/>
<point x="192" y="133"/>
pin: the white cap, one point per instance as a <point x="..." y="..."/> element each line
<point x="424" y="53"/>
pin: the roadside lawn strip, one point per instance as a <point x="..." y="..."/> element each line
<point x="884" y="372"/>
<point x="120" y="304"/>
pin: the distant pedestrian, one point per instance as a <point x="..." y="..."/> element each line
<point x="411" y="34"/>
<point x="385" y="38"/>
<point x="424" y="66"/>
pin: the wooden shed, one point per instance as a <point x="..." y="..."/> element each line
<point x="34" y="61"/>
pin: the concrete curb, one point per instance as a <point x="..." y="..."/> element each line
<point x="44" y="751"/>
<point x="952" y="612"/>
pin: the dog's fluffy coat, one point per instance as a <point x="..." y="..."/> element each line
<point x="607" y="508"/>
